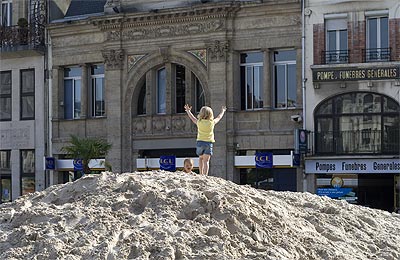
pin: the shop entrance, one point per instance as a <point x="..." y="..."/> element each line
<point x="376" y="191"/>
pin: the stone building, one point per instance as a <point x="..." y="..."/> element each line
<point x="124" y="71"/>
<point x="23" y="103"/>
<point x="352" y="98"/>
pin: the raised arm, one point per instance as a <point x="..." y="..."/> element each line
<point x="188" y="109"/>
<point x="221" y="114"/>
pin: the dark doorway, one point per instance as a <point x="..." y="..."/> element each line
<point x="376" y="191"/>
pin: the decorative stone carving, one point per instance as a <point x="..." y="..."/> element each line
<point x="165" y="53"/>
<point x="113" y="59"/>
<point x="178" y="124"/>
<point x="133" y="59"/>
<point x="159" y="124"/>
<point x="201" y="55"/>
<point x="160" y="31"/>
<point x="218" y="51"/>
<point x="139" y="126"/>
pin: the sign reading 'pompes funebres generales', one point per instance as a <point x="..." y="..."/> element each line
<point x="345" y="74"/>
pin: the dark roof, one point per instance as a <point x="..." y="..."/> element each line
<point x="82" y="7"/>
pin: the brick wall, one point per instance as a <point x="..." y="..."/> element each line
<point x="319" y="42"/>
<point x="394" y="38"/>
<point x="356" y="41"/>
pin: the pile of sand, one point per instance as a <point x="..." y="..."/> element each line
<point x="162" y="215"/>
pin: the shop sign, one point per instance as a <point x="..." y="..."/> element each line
<point x="264" y="160"/>
<point x="355" y="166"/>
<point x="300" y="139"/>
<point x="78" y="165"/>
<point x="333" y="192"/>
<point x="167" y="163"/>
<point x="348" y="74"/>
<point x="50" y="163"/>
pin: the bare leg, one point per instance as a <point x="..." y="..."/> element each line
<point x="206" y="163"/>
<point x="201" y="164"/>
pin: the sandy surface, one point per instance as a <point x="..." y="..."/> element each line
<point x="162" y="215"/>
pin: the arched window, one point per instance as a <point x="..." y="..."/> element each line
<point x="357" y="123"/>
<point x="171" y="87"/>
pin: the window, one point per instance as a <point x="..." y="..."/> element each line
<point x="336" y="41"/>
<point x="28" y="171"/>
<point x="6" y="13"/>
<point x="97" y="90"/>
<point x="27" y="94"/>
<point x="5" y="96"/>
<point x="5" y="160"/>
<point x="5" y="176"/>
<point x="377" y="39"/>
<point x="142" y="100"/>
<point x="285" y="90"/>
<point x="251" y="80"/>
<point x="180" y="88"/>
<point x="357" y="123"/>
<point x="161" y="91"/>
<point x="72" y="92"/>
<point x="200" y="99"/>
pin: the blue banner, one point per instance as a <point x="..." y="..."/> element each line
<point x="264" y="160"/>
<point x="333" y="192"/>
<point x="167" y="163"/>
<point x="78" y="165"/>
<point x="50" y="163"/>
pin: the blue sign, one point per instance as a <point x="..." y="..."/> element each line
<point x="333" y="192"/>
<point x="50" y="163"/>
<point x="78" y="165"/>
<point x="167" y="163"/>
<point x="296" y="159"/>
<point x="264" y="160"/>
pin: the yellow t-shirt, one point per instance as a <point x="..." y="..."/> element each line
<point x="205" y="130"/>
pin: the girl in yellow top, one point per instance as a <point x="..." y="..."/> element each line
<point x="205" y="122"/>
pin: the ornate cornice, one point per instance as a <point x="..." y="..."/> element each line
<point x="114" y="59"/>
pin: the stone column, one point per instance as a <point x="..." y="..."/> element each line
<point x="113" y="60"/>
<point x="267" y="80"/>
<point x="217" y="67"/>
<point x="84" y="91"/>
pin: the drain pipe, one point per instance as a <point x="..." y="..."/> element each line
<point x="303" y="83"/>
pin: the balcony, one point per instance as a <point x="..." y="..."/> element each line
<point x="26" y="38"/>
<point x="356" y="142"/>
<point x="335" y="57"/>
<point x="377" y="54"/>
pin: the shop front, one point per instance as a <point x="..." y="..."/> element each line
<point x="371" y="182"/>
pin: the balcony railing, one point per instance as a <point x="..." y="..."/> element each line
<point x="364" y="141"/>
<point x="14" y="38"/>
<point x="338" y="56"/>
<point x="377" y="54"/>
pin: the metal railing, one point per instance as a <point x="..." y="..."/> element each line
<point x="364" y="141"/>
<point x="377" y="54"/>
<point x="337" y="56"/>
<point x="13" y="37"/>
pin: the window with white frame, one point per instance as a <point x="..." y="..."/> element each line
<point x="72" y="92"/>
<point x="27" y="107"/>
<point x="161" y="91"/>
<point x="6" y="13"/>
<point x="97" y="90"/>
<point x="5" y="96"/>
<point x="284" y="79"/>
<point x="377" y="37"/>
<point x="251" y="80"/>
<point x="336" y="41"/>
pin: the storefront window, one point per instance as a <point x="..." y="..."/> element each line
<point x="357" y="123"/>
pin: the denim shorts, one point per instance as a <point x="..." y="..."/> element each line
<point x="204" y="148"/>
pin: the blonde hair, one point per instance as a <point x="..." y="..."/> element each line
<point x="206" y="113"/>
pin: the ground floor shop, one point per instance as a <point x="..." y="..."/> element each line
<point x="371" y="182"/>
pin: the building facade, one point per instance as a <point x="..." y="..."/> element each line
<point x="124" y="73"/>
<point x="352" y="96"/>
<point x="23" y="106"/>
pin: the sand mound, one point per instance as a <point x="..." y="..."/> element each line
<point x="162" y="215"/>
